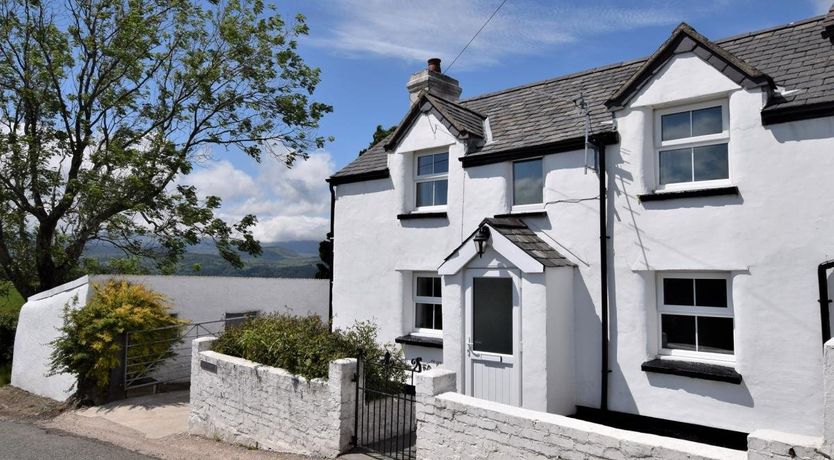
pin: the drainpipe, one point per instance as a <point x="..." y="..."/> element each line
<point x="603" y="262"/>
<point x="330" y="236"/>
<point x="825" y="301"/>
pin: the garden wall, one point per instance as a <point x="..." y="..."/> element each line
<point x="452" y="425"/>
<point x="193" y="298"/>
<point x="243" y="402"/>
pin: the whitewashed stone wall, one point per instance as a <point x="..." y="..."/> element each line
<point x="452" y="425"/>
<point x="769" y="444"/>
<point x="242" y="402"/>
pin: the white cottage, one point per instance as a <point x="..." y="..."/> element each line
<point x="665" y="268"/>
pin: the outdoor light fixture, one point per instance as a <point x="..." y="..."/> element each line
<point x="481" y="239"/>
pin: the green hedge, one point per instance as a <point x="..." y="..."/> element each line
<point x="301" y="345"/>
<point x="8" y="326"/>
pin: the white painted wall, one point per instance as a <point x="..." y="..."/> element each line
<point x="771" y="239"/>
<point x="193" y="298"/>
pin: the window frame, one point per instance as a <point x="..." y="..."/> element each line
<point x="689" y="142"/>
<point x="529" y="206"/>
<point x="415" y="299"/>
<point x="695" y="311"/>
<point x="417" y="179"/>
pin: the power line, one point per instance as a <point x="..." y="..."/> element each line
<point x="476" y="35"/>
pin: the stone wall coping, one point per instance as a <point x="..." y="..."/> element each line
<point x="786" y="438"/>
<point x="480" y="408"/>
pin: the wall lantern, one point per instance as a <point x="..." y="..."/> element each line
<point x="481" y="238"/>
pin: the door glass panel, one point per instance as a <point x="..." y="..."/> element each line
<point x="492" y="315"/>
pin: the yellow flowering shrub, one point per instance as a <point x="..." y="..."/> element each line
<point x="91" y="343"/>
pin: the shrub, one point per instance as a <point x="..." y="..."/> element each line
<point x="92" y="337"/>
<point x="301" y="345"/>
<point x="8" y="326"/>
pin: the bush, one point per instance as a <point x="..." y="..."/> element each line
<point x="8" y="326"/>
<point x="92" y="337"/>
<point x="301" y="345"/>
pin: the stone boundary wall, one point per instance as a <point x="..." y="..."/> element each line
<point x="242" y="402"/>
<point x="452" y="425"/>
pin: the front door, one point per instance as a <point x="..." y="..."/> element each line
<point x="493" y="335"/>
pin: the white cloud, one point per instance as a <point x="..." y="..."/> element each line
<point x="415" y="30"/>
<point x="290" y="203"/>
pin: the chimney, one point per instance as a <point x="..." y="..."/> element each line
<point x="433" y="81"/>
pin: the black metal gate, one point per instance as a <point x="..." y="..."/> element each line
<point x="385" y="407"/>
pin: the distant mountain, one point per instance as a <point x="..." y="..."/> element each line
<point x="285" y="259"/>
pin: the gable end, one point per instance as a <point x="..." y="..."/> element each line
<point x="685" y="39"/>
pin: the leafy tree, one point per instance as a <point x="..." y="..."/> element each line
<point x="325" y="267"/>
<point x="379" y="134"/>
<point x="105" y="103"/>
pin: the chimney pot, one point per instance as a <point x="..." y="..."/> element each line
<point x="434" y="65"/>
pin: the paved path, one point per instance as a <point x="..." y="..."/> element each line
<point x="24" y="441"/>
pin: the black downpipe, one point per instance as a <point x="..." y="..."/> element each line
<point x="603" y="261"/>
<point x="825" y="301"/>
<point x="330" y="236"/>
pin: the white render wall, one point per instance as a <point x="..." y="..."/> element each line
<point x="264" y="407"/>
<point x="192" y="298"/>
<point x="771" y="239"/>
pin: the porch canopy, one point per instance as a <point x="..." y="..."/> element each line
<point x="511" y="238"/>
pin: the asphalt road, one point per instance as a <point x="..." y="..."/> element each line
<point x="22" y="441"/>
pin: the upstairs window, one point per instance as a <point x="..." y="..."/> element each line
<point x="431" y="180"/>
<point x="692" y="145"/>
<point x="696" y="315"/>
<point x="528" y="182"/>
<point x="428" y="304"/>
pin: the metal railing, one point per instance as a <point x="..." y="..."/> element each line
<point x="162" y="355"/>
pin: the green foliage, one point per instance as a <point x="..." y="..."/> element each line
<point x="301" y="345"/>
<point x="324" y="268"/>
<point x="8" y="326"/>
<point x="10" y="299"/>
<point x="106" y="104"/>
<point x="92" y="337"/>
<point x="379" y="134"/>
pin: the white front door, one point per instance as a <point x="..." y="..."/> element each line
<point x="493" y="335"/>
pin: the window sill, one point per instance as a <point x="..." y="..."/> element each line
<point x="421" y="341"/>
<point x="422" y="215"/>
<point x="541" y="213"/>
<point x="695" y="193"/>
<point x="693" y="369"/>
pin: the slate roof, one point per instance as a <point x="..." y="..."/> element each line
<point x="520" y="234"/>
<point x="794" y="56"/>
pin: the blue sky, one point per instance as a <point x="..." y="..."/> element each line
<point x="368" y="48"/>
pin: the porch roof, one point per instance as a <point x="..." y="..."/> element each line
<point x="514" y="240"/>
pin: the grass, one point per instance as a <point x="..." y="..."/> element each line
<point x="12" y="301"/>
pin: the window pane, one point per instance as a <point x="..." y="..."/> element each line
<point x="678" y="332"/>
<point x="424" y="316"/>
<point x="711" y="162"/>
<point x="441" y="163"/>
<point x="706" y="121"/>
<point x="424" y="193"/>
<point x="492" y="315"/>
<point x="678" y="291"/>
<point x="715" y="335"/>
<point x="424" y="286"/>
<point x="711" y="293"/>
<point x="440" y="191"/>
<point x="675" y="126"/>
<point x="675" y="166"/>
<point x="527" y="182"/>
<point x="438" y="317"/>
<point x="425" y="165"/>
<point x="436" y="284"/>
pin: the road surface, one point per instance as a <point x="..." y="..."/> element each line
<point x="24" y="441"/>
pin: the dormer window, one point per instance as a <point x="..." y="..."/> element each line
<point x="431" y="180"/>
<point x="692" y="145"/>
